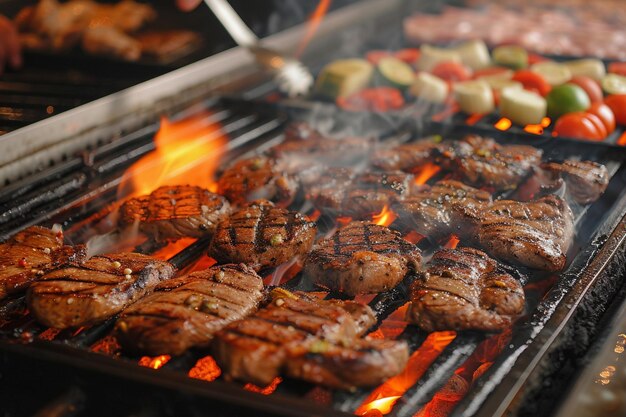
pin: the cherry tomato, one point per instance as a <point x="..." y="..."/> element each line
<point x="451" y="71"/>
<point x="605" y="114"/>
<point x="534" y="58"/>
<point x="577" y="125"/>
<point x="617" y="103"/>
<point x="591" y="87"/>
<point x="485" y="72"/>
<point x="408" y="55"/>
<point x="533" y="82"/>
<point x="618" y="68"/>
<point x="374" y="56"/>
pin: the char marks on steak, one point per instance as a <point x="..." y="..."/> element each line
<point x="186" y="312"/>
<point x="464" y="289"/>
<point x="586" y="180"/>
<point x="315" y="340"/>
<point x="255" y="179"/>
<point x="82" y="293"/>
<point x="262" y="236"/>
<point x="173" y="212"/>
<point x="536" y="234"/>
<point x="361" y="258"/>
<point x="448" y="207"/>
<point x="411" y="156"/>
<point x="27" y="255"/>
<point x="342" y="193"/>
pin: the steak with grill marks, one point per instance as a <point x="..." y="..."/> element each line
<point x="305" y="144"/>
<point x="359" y="196"/>
<point x="586" y="180"/>
<point x="410" y="156"/>
<point x="536" y="234"/>
<point x="27" y="255"/>
<point x="495" y="166"/>
<point x="82" y="293"/>
<point x="173" y="212"/>
<point x="361" y="258"/>
<point x="464" y="289"/>
<point x="448" y="207"/>
<point x="262" y="236"/>
<point x="255" y="179"/>
<point x="310" y="339"/>
<point x="186" y="312"/>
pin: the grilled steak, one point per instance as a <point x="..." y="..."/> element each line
<point x="172" y="212"/>
<point x="257" y="178"/>
<point x="359" y="196"/>
<point x="361" y="258"/>
<point x="25" y="257"/>
<point x="494" y="166"/>
<point x="187" y="311"/>
<point x="262" y="236"/>
<point x="536" y="234"/>
<point x="464" y="289"/>
<point x="307" y="338"/>
<point x="81" y="293"/>
<point x="305" y="144"/>
<point x="586" y="180"/>
<point x="404" y="157"/>
<point x="447" y="207"/>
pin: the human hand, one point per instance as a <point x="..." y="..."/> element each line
<point x="10" y="50"/>
<point x="187" y="5"/>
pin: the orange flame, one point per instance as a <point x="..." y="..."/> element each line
<point x="154" y="363"/>
<point x="264" y="390"/>
<point x="172" y="248"/>
<point x="413" y="237"/>
<point x="314" y="23"/>
<point x="622" y="139"/>
<point x="205" y="369"/>
<point x="385" y="217"/>
<point x="545" y="122"/>
<point x="187" y="152"/>
<point x="452" y="243"/>
<point x="384" y="397"/>
<point x="503" y="124"/>
<point x="473" y="119"/>
<point x="426" y="172"/>
<point x="534" y="129"/>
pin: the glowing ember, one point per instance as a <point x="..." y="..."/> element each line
<point x="426" y="172"/>
<point x="313" y="24"/>
<point x="205" y="369"/>
<point x="187" y="152"/>
<point x="534" y="129"/>
<point x="384" y="397"/>
<point x="622" y="139"/>
<point x="172" y="248"/>
<point x="342" y="221"/>
<point x="452" y="243"/>
<point x="107" y="346"/>
<point x="385" y="217"/>
<point x="266" y="390"/>
<point x="203" y="263"/>
<point x="315" y="215"/>
<point x="154" y="363"/>
<point x="503" y="124"/>
<point x="473" y="119"/>
<point x="413" y="237"/>
<point x="49" y="334"/>
<point x="284" y="273"/>
<point x="545" y="122"/>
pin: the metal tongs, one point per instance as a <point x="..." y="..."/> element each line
<point x="292" y="77"/>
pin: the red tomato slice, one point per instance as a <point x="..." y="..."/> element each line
<point x="451" y="71"/>
<point x="490" y="71"/>
<point x="591" y="87"/>
<point x="408" y="55"/>
<point x="618" y="68"/>
<point x="605" y="114"/>
<point x="617" y="103"/>
<point x="374" y="56"/>
<point x="577" y="125"/>
<point x="533" y="82"/>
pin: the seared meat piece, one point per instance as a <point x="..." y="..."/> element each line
<point x="536" y="234"/>
<point x="464" y="289"/>
<point x="186" y="312"/>
<point x="167" y="45"/>
<point x="359" y="363"/>
<point x="303" y="143"/>
<point x="81" y="293"/>
<point x="257" y="178"/>
<point x="362" y="258"/>
<point x="109" y="41"/>
<point x="359" y="196"/>
<point x="27" y="255"/>
<point x="307" y="338"/>
<point x="173" y="212"/>
<point x="409" y="157"/>
<point x="586" y="180"/>
<point x="262" y="236"/>
<point x="500" y="168"/>
<point x="448" y="207"/>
